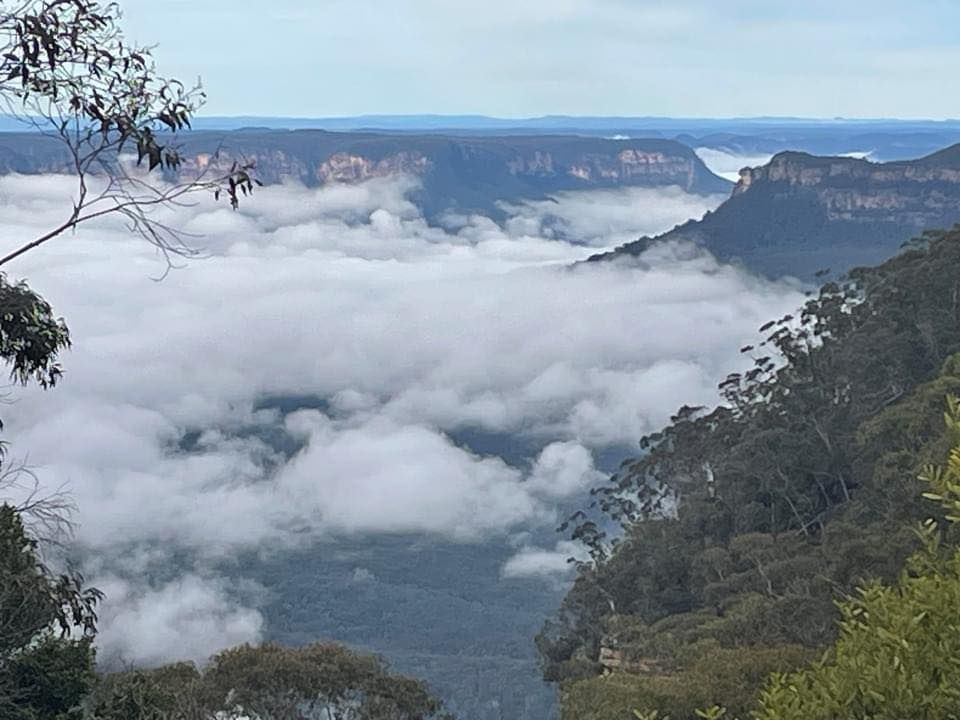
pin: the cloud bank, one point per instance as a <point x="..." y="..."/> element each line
<point x="311" y="377"/>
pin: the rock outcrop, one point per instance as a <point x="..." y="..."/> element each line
<point x="859" y="190"/>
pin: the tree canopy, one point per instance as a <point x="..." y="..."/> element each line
<point x="898" y="651"/>
<point x="743" y="524"/>
<point x="267" y="682"/>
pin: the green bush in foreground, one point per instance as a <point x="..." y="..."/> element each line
<point x="898" y="655"/>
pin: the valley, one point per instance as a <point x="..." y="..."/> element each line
<point x="501" y="360"/>
<point x="441" y="603"/>
<point x="364" y="243"/>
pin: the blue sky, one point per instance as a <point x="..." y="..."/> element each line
<point x="515" y="58"/>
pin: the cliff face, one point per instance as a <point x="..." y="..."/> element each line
<point x="859" y="191"/>
<point x="274" y="165"/>
<point x="457" y="173"/>
<point x="801" y="213"/>
<point x="344" y="167"/>
<point x="463" y="174"/>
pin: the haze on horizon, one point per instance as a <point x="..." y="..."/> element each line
<point x="688" y="58"/>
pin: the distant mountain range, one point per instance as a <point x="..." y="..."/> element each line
<point x="468" y="174"/>
<point x="799" y="213"/>
<point x="882" y="139"/>
<point x="554" y="123"/>
<point x="457" y="174"/>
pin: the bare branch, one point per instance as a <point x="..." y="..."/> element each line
<point x="48" y="515"/>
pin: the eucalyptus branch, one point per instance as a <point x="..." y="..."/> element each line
<point x="67" y="72"/>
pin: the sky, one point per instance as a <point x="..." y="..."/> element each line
<point x="410" y="333"/>
<point x="521" y="58"/>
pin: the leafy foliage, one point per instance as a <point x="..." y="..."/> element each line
<point x="899" y="649"/>
<point x="730" y="678"/>
<point x="31" y="337"/>
<point x="50" y="679"/>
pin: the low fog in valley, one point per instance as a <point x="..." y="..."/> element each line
<point x="395" y="340"/>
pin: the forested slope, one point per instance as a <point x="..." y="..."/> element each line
<point x="743" y="524"/>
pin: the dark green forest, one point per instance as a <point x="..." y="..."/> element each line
<point x="719" y="553"/>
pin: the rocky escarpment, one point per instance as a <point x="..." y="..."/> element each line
<point x="457" y="174"/>
<point x="800" y="213"/>
<point x="860" y="191"/>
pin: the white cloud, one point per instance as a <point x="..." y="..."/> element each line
<point x="563" y="469"/>
<point x="536" y="562"/>
<point x="189" y="618"/>
<point x="385" y="477"/>
<point x="859" y="155"/>
<point x="609" y="217"/>
<point x="412" y="333"/>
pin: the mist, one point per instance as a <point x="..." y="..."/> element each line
<point x="315" y="374"/>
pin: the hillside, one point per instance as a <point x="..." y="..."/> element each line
<point x="801" y="213"/>
<point x="742" y="524"/>
<point x="457" y="174"/>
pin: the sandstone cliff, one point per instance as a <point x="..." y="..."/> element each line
<point x="456" y="173"/>
<point x="801" y="213"/>
<point x="910" y="192"/>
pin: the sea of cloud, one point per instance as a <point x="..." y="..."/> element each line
<point x="405" y="333"/>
